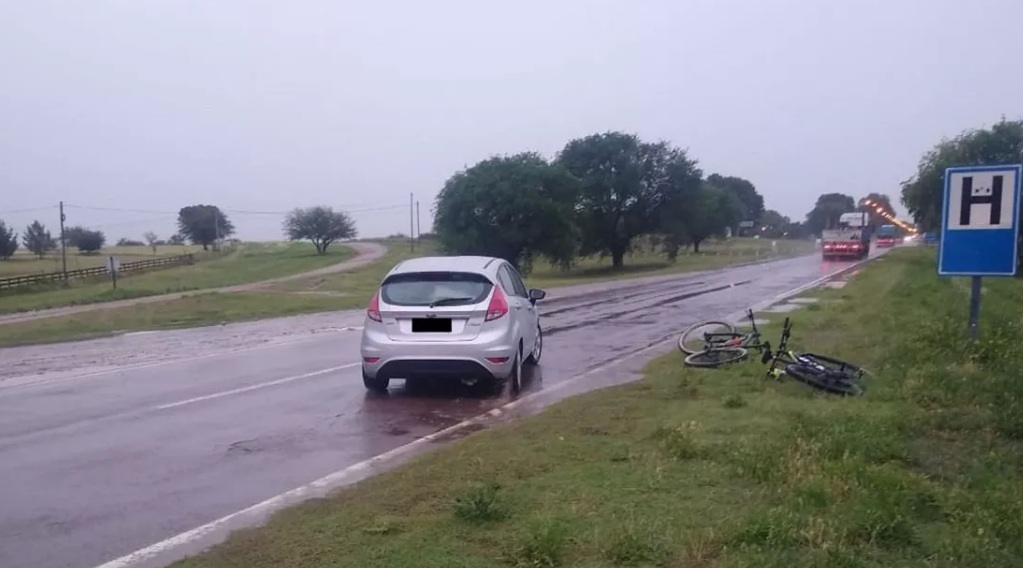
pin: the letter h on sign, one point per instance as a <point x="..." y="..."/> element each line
<point x="981" y="195"/>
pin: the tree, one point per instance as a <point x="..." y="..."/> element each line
<point x="204" y="224"/>
<point x="89" y="241"/>
<point x="8" y="241"/>
<point x="516" y="207"/>
<point x="126" y="242"/>
<point x="176" y="239"/>
<point x="625" y="185"/>
<point x="773" y="224"/>
<point x="38" y="240"/>
<point x="714" y="210"/>
<point x="923" y="193"/>
<point x="151" y="240"/>
<point x="871" y="203"/>
<point x="752" y="201"/>
<point x="321" y="225"/>
<point x="827" y="210"/>
<point x="72" y="235"/>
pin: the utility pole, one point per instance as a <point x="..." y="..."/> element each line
<point x="419" y="231"/>
<point x="216" y="231"/>
<point x="411" y="222"/>
<point x="63" y="242"/>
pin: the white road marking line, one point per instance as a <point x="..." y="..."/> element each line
<point x="255" y="387"/>
<point x="278" y="501"/>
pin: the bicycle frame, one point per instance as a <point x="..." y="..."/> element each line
<point x="750" y="339"/>
<point x="786" y="355"/>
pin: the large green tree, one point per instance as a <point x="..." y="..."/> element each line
<point x="204" y="224"/>
<point x="38" y="239"/>
<point x="321" y="225"/>
<point x="714" y="211"/>
<point x="874" y="201"/>
<point x="513" y="207"/>
<point x="745" y="191"/>
<point x="773" y="224"/>
<point x="923" y="193"/>
<point x="827" y="210"/>
<point x="8" y="241"/>
<point x="625" y="185"/>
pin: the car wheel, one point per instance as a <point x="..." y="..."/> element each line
<point x="534" y="356"/>
<point x="376" y="384"/>
<point x="515" y="380"/>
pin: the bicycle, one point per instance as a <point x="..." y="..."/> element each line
<point x="818" y="371"/>
<point x="720" y="347"/>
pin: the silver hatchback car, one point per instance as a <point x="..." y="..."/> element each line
<point x="464" y="317"/>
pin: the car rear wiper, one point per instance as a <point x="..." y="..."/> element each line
<point x="446" y="301"/>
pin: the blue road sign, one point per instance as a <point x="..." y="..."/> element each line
<point x="980" y="217"/>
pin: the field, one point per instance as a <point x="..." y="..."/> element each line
<point x="722" y="468"/>
<point x="24" y="262"/>
<point x="345" y="290"/>
<point x="248" y="262"/>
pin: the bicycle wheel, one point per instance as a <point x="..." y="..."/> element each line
<point x="716" y="357"/>
<point x="692" y="339"/>
<point x="832" y="364"/>
<point x="828" y="381"/>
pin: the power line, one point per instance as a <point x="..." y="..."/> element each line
<point x="29" y="210"/>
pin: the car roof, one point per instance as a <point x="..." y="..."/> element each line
<point x="478" y="264"/>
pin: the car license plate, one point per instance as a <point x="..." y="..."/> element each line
<point x="431" y="325"/>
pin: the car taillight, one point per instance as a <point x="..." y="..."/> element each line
<point x="373" y="311"/>
<point x="498" y="305"/>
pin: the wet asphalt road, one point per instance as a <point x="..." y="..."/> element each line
<point x="112" y="445"/>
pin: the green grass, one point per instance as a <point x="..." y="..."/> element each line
<point x="24" y="262"/>
<point x="720" y="468"/>
<point x="249" y="262"/>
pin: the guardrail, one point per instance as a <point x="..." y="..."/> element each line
<point x="137" y="266"/>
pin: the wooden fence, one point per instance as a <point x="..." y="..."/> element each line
<point x="137" y="266"/>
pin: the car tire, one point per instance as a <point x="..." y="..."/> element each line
<point x="515" y="379"/>
<point x="375" y="384"/>
<point x="537" y="352"/>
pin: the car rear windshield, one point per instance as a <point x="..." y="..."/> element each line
<point x="435" y="288"/>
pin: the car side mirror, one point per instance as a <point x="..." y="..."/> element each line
<point x="536" y="294"/>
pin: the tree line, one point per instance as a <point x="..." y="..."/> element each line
<point x="597" y="196"/>
<point x="924" y="192"/>
<point x="601" y="194"/>
<point x="202" y="225"/>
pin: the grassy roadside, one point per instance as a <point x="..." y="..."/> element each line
<point x="722" y="468"/>
<point x="346" y="290"/>
<point x="250" y="262"/>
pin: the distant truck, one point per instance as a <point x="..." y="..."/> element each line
<point x="887" y="236"/>
<point x="850" y="240"/>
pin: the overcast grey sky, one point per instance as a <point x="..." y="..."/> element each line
<point x="268" y="105"/>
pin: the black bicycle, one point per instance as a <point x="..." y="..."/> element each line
<point x="819" y="371"/>
<point x="722" y="346"/>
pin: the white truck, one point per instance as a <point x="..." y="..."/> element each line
<point x="851" y="239"/>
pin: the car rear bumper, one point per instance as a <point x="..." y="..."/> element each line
<point x="382" y="356"/>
